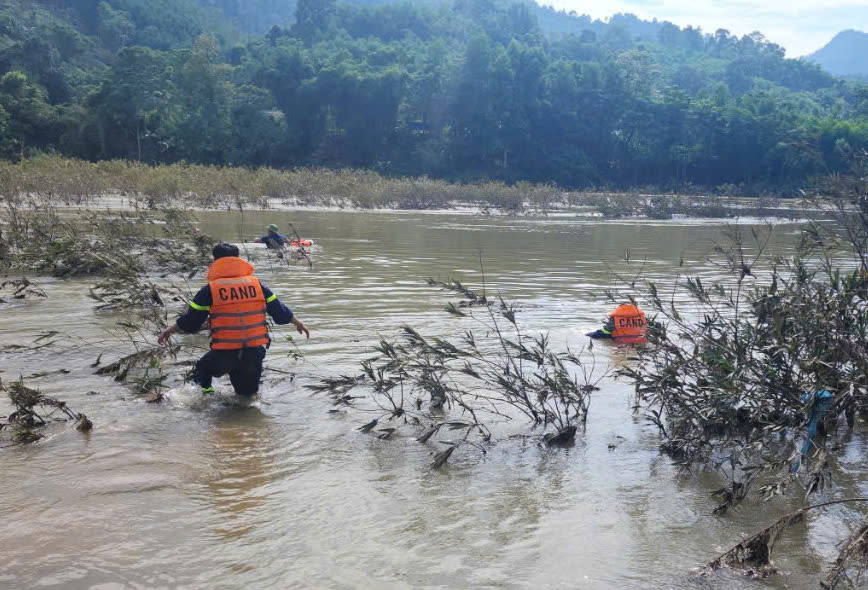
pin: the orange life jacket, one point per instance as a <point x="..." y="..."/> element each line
<point x="630" y="323"/>
<point x="237" y="317"/>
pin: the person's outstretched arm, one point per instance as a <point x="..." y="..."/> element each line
<point x="192" y="319"/>
<point x="280" y="313"/>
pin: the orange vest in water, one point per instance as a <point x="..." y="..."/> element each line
<point x="630" y="323"/>
<point x="238" y="306"/>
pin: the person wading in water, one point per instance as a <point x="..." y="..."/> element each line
<point x="235" y="302"/>
<point x="273" y="239"/>
<point x="627" y="324"/>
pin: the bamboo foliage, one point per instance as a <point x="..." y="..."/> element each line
<point x="473" y="382"/>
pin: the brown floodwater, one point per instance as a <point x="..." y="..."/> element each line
<point x="284" y="494"/>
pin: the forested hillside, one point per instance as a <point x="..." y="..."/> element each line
<point x="465" y="90"/>
<point x="257" y="16"/>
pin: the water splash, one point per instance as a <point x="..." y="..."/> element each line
<point x="190" y="396"/>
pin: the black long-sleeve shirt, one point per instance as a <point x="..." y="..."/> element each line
<point x="192" y="319"/>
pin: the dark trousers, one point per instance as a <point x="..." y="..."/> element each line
<point x="244" y="368"/>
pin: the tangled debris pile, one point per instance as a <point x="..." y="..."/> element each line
<point x="33" y="410"/>
<point x="37" y="238"/>
<point x="138" y="260"/>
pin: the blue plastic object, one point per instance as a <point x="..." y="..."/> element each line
<point x="822" y="401"/>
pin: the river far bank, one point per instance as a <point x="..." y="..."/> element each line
<point x="63" y="181"/>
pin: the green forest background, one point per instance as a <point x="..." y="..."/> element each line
<point x="463" y="90"/>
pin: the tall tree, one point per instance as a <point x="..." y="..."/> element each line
<point x="135" y="104"/>
<point x="313" y="17"/>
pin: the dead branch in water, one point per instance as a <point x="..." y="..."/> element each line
<point x="852" y="561"/>
<point x="33" y="410"/>
<point x="471" y="297"/>
<point x="753" y="554"/>
<point x="22" y="289"/>
<point x="301" y="252"/>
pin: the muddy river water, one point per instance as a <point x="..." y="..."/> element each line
<point x="284" y="494"/>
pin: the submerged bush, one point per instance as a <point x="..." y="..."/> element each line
<point x="763" y="342"/>
<point x="755" y="374"/>
<point x="499" y="375"/>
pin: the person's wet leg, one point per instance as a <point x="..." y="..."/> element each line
<point x="212" y="364"/>
<point x="246" y="376"/>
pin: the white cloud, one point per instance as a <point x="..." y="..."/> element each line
<point x="801" y="26"/>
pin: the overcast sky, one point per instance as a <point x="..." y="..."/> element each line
<point x="801" y="26"/>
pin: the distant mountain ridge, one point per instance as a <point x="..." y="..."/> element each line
<point x="845" y="55"/>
